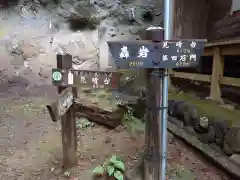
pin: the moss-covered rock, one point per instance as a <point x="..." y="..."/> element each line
<point x="186" y="112"/>
<point x="231" y="143"/>
<point x="217" y="130"/>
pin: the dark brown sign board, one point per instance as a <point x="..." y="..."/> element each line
<point x="183" y="53"/>
<point x="85" y="78"/>
<point x="61" y="105"/>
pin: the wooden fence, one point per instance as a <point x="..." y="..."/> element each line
<point x="218" y="50"/>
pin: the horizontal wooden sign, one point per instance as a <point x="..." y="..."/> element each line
<point x="61" y="105"/>
<point x="165" y="54"/>
<point x="85" y="78"/>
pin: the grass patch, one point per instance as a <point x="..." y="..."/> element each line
<point x="209" y="108"/>
<point x="24" y="108"/>
<point x="84" y="123"/>
<point x="180" y="173"/>
<point x="101" y="98"/>
<point x="134" y="125"/>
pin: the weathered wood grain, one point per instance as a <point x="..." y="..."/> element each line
<point x="61" y="105"/>
<point x="226" y="28"/>
<point x="68" y="120"/>
<point x="100" y="116"/>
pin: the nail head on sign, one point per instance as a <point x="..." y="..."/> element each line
<point x="155" y="34"/>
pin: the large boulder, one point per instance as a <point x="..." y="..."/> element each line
<point x="186" y="112"/>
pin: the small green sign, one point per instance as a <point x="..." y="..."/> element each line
<point x="57" y="76"/>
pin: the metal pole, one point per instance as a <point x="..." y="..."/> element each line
<point x="168" y="19"/>
<point x="168" y="27"/>
<point x="161" y="128"/>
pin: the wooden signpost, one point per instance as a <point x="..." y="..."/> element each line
<point x="67" y="80"/>
<point x="154" y="56"/>
<point x="61" y="105"/>
<point x="63" y="109"/>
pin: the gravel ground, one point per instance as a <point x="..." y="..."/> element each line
<point x="27" y="150"/>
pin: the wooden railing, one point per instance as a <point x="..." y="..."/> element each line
<point x="218" y="50"/>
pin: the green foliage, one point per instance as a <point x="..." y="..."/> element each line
<point x="134" y="124"/>
<point x="114" y="158"/>
<point x="118" y="175"/>
<point x="133" y="83"/>
<point x="181" y="173"/>
<point x="113" y="167"/>
<point x="100" y="94"/>
<point x="99" y="170"/>
<point x="110" y="170"/>
<point x="84" y="123"/>
<point x="119" y="165"/>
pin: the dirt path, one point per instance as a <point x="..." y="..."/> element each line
<point x="24" y="121"/>
<point x="30" y="144"/>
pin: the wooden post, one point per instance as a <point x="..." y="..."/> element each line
<point x="217" y="73"/>
<point x="152" y="127"/>
<point x="68" y="120"/>
<point x="153" y="122"/>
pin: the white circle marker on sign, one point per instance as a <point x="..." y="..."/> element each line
<point x="57" y="76"/>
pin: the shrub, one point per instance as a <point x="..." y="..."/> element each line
<point x="114" y="167"/>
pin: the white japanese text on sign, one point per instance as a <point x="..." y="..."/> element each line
<point x="178" y="51"/>
<point x="124" y="54"/>
<point x="143" y="52"/>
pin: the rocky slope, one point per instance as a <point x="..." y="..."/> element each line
<point x="32" y="32"/>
